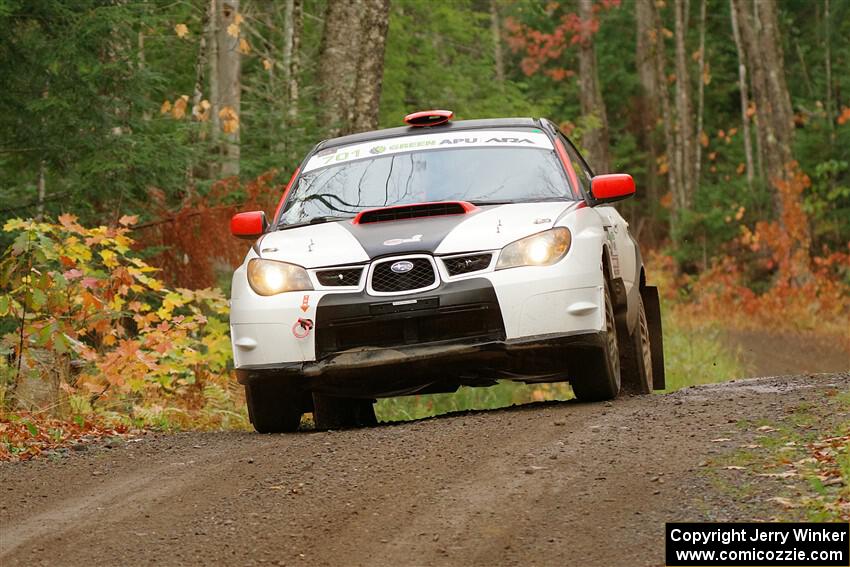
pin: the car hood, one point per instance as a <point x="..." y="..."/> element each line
<point x="339" y="243"/>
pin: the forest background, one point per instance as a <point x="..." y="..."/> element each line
<point x="130" y="131"/>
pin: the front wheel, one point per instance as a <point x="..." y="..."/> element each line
<point x="596" y="375"/>
<point x="273" y="407"/>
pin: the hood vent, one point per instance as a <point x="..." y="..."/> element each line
<point x="415" y="211"/>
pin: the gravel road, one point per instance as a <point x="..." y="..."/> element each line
<point x="543" y="484"/>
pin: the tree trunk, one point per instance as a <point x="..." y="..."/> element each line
<point x="595" y="138"/>
<point x="295" y="63"/>
<point x="700" y="97"/>
<point x="215" y="102"/>
<point x="684" y="128"/>
<point x="41" y="188"/>
<point x="288" y="32"/>
<point x="496" y="31"/>
<point x="649" y="111"/>
<point x="229" y="67"/>
<point x="830" y="111"/>
<point x="339" y="58"/>
<point x="745" y="99"/>
<point x="370" y="69"/>
<point x="758" y="24"/>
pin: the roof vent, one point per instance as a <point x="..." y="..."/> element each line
<point x="428" y="118"/>
<point x="415" y="211"/>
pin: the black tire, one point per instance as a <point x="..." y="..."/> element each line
<point x="595" y="375"/>
<point x="273" y="407"/>
<point x="636" y="357"/>
<point x="330" y="412"/>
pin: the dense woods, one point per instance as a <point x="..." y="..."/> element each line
<point x="141" y="107"/>
<point x="159" y="119"/>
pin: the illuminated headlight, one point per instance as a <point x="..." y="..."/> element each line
<point x="268" y="277"/>
<point x="540" y="249"/>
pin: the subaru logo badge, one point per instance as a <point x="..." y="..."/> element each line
<point x="402" y="267"/>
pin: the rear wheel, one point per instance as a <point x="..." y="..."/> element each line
<point x="273" y="407"/>
<point x="330" y="412"/>
<point x="595" y="376"/>
<point x="637" y="357"/>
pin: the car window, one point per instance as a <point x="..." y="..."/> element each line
<point x="479" y="175"/>
<point x="582" y="170"/>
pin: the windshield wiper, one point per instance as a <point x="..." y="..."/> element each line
<point x="314" y="220"/>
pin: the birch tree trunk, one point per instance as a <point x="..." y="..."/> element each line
<point x="370" y="69"/>
<point x="496" y="32"/>
<point x="229" y="67"/>
<point x="700" y="97"/>
<point x="684" y="128"/>
<point x="745" y="99"/>
<point x="295" y="63"/>
<point x="595" y="138"/>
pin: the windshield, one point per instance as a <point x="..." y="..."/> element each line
<point x="480" y="175"/>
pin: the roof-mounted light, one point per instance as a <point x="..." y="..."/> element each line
<point x="428" y="118"/>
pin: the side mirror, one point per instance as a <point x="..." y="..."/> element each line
<point x="248" y="225"/>
<point x="612" y="187"/>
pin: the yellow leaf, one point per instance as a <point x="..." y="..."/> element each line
<point x="238" y="19"/>
<point x="703" y="139"/>
<point x="127" y="220"/>
<point x="179" y="110"/>
<point x="751" y="110"/>
<point x="740" y="214"/>
<point x="181" y="30"/>
<point x="229" y="119"/>
<point x="741" y="168"/>
<point x="706" y="75"/>
<point x="244" y="46"/>
<point x="165" y="108"/>
<point x="267" y="65"/>
<point x="108" y="340"/>
<point x="109" y="258"/>
<point x="233" y="30"/>
<point x="667" y="33"/>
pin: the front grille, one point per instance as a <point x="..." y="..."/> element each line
<point x="385" y="280"/>
<point x="339" y="277"/>
<point x="475" y="322"/>
<point x="466" y="264"/>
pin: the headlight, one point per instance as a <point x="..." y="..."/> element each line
<point x="540" y="249"/>
<point x="267" y="277"/>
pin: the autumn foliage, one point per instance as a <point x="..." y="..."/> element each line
<point x="193" y="243"/>
<point x="96" y="331"/>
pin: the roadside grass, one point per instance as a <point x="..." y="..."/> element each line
<point x="692" y="355"/>
<point x="796" y="468"/>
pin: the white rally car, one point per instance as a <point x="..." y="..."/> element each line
<point x="442" y="254"/>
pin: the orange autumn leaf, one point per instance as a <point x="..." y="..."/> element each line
<point x="179" y="110"/>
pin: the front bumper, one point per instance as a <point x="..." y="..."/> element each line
<point x="515" y="304"/>
<point x="435" y="367"/>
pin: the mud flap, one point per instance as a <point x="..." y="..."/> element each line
<point x="652" y="307"/>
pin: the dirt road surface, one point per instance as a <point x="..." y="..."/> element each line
<point x="544" y="484"/>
